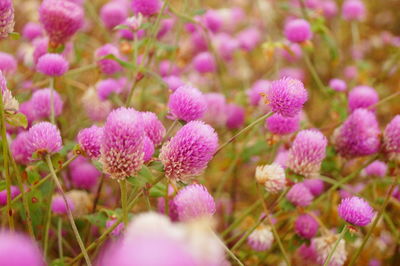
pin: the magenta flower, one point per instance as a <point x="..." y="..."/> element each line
<point x="358" y="136"/>
<point x="32" y="30"/>
<point x="105" y="88"/>
<point x="376" y="169"/>
<point x="148" y="149"/>
<point x="84" y="176"/>
<point x="356" y="211"/>
<point x="122" y="143"/>
<point x="204" y="63"/>
<point x="235" y="117"/>
<point x="287" y="96"/>
<point x="194" y="202"/>
<point x="61" y="20"/>
<point x="307" y="152"/>
<point x="300" y="195"/>
<point x="153" y="127"/>
<point x="173" y="82"/>
<point x="189" y="151"/>
<point x="108" y="66"/>
<point x="89" y="140"/>
<point x="249" y="38"/>
<point x="281" y="125"/>
<point x="58" y="205"/>
<point x="259" y="88"/>
<point x="212" y="20"/>
<point x="3" y="194"/>
<point x="216" y="113"/>
<point x="338" y="85"/>
<point x="315" y="185"/>
<point x="391" y="138"/>
<point x="298" y="30"/>
<point x="6" y="18"/>
<point x="117" y="230"/>
<point x="53" y="65"/>
<point x="44" y="138"/>
<point x="353" y="10"/>
<point x="41" y="103"/>
<point x="187" y="103"/>
<point x="362" y="97"/>
<point x="306" y="226"/>
<point x="8" y="64"/>
<point x="146" y="7"/>
<point x="19" y="149"/>
<point x="329" y="8"/>
<point x="112" y="14"/>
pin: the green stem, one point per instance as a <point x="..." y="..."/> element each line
<point x="244" y="237"/>
<point x="80" y="70"/>
<point x="314" y="72"/>
<point x="69" y="213"/>
<point x="230" y="253"/>
<point x="124" y="196"/>
<point x="328" y="259"/>
<point x="59" y="238"/>
<point x="52" y="115"/>
<point x="47" y="221"/>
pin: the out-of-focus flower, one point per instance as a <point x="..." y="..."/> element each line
<point x="261" y="238"/>
<point x="44" y="138"/>
<point x="3" y="194"/>
<point x="118" y="230"/>
<point x="187" y="103"/>
<point x="329" y="8"/>
<point x="300" y="195"/>
<point x="84" y="176"/>
<point x="235" y="117"/>
<point x="249" y="38"/>
<point x="58" y="205"/>
<point x="134" y="22"/>
<point x="105" y="88"/>
<point x="6" y="18"/>
<point x="41" y="103"/>
<point x="356" y="211"/>
<point x="272" y="177"/>
<point x="32" y="30"/>
<point x="173" y="82"/>
<point x="391" y="139"/>
<point x="108" y="66"/>
<point x="281" y="125"/>
<point x="353" y="10"/>
<point x="146" y="7"/>
<point x="259" y="89"/>
<point x="19" y="148"/>
<point x="338" y="84"/>
<point x="362" y="97"/>
<point x="89" y="140"/>
<point x="306" y="226"/>
<point x="324" y="245"/>
<point x="8" y="64"/>
<point x="113" y="14"/>
<point x="298" y="31"/>
<point x="96" y="109"/>
<point x="216" y="109"/>
<point x="204" y="63"/>
<point x="53" y="65"/>
<point x="315" y="185"/>
<point x="375" y="169"/>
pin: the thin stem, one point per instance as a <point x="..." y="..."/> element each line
<point x="328" y="259"/>
<point x="52" y="115"/>
<point x="59" y="238"/>
<point x="47" y="221"/>
<point x="314" y="72"/>
<point x="124" y="196"/>
<point x="80" y="70"/>
<point x="69" y="213"/>
<point x="230" y="253"/>
<point x="244" y="237"/>
<point x="96" y="199"/>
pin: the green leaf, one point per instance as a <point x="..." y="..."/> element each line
<point x="33" y="176"/>
<point x="58" y="262"/>
<point x="17" y="120"/>
<point x="15" y="35"/>
<point x="121" y="62"/>
<point x="2" y="185"/>
<point x="99" y="219"/>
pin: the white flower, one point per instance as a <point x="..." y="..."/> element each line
<point x="323" y="246"/>
<point x="272" y="177"/>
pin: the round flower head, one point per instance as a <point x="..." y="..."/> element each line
<point x="226" y="46"/>
<point x="17" y="249"/>
<point x="329" y="8"/>
<point x="187" y="103"/>
<point x="376" y="169"/>
<point x="9" y="102"/>
<point x="356" y="211"/>
<point x="235" y="117"/>
<point x="316" y="186"/>
<point x="96" y="109"/>
<point x="259" y="88"/>
<point x="249" y="38"/>
<point x="298" y="30"/>
<point x="165" y="27"/>
<point x="58" y="205"/>
<point x="112" y="14"/>
<point x="3" y="194"/>
<point x="108" y="86"/>
<point x="324" y="245"/>
<point x="261" y="238"/>
<point x="44" y="138"/>
<point x="148" y="149"/>
<point x="204" y="63"/>
<point x="41" y="103"/>
<point x="146" y="7"/>
<point x="391" y="138"/>
<point x="122" y="143"/>
<point x="306" y="226"/>
<point x="108" y="66"/>
<point x="53" y="65"/>
<point x="338" y="85"/>
<point x="19" y="148"/>
<point x="300" y="195"/>
<point x="212" y="20"/>
<point x="358" y="136"/>
<point x="153" y="127"/>
<point x="84" y="176"/>
<point x="272" y="177"/>
<point x="194" y="202"/>
<point x="362" y="97"/>
<point x="189" y="151"/>
<point x="32" y="30"/>
<point x="307" y="152"/>
<point x="6" y="18"/>
<point x="353" y="10"/>
<point x="27" y="109"/>
<point x="60" y="19"/>
<point x="287" y="96"/>
<point x="173" y="82"/>
<point x="306" y="255"/>
<point x="8" y="64"/>
<point x="168" y="68"/>
<point x="216" y="109"/>
<point x="281" y="125"/>
<point x="89" y="140"/>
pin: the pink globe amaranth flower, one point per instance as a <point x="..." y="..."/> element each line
<point x="44" y="138"/>
<point x="249" y="38"/>
<point x="148" y="149"/>
<point x="107" y="87"/>
<point x="117" y="230"/>
<point x="281" y="125"/>
<point x="199" y="42"/>
<point x="306" y="226"/>
<point x="356" y="211"/>
<point x="108" y="66"/>
<point x="194" y="202"/>
<point x="3" y="194"/>
<point x="53" y="65"/>
<point x="353" y="10"/>
<point x="187" y="103"/>
<point x="261" y="238"/>
<point x="167" y="68"/>
<point x="146" y="7"/>
<point x="215" y="114"/>
<point x="362" y="97"/>
<point x="307" y="152"/>
<point x="58" y="205"/>
<point x="41" y="45"/>
<point x="84" y="176"/>
<point x="358" y="136"/>
<point x="396" y="193"/>
<point x="189" y="151"/>
<point x="122" y="143"/>
<point x="376" y="168"/>
<point x="259" y="88"/>
<point x="19" y="148"/>
<point x="315" y="185"/>
<point x="9" y="102"/>
<point x="300" y="195"/>
<point x="298" y="31"/>
<point x="6" y="18"/>
<point x="112" y="14"/>
<point x="282" y="157"/>
<point x="235" y="114"/>
<point x="329" y="8"/>
<point x="166" y="26"/>
<point x="338" y="84"/>
<point x="287" y="96"/>
<point x="173" y="82"/>
<point x="226" y="46"/>
<point x="89" y="140"/>
<point x="8" y="64"/>
<point x="32" y="30"/>
<point x="153" y="127"/>
<point x="307" y="255"/>
<point x="173" y="210"/>
<point x="96" y="109"/>
<point x="60" y="19"/>
<point x="272" y="177"/>
<point x="41" y="103"/>
<point x="204" y="63"/>
<point x="391" y="139"/>
<point x="17" y="249"/>
<point x="212" y="20"/>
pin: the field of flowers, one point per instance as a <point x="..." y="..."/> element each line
<point x="199" y="132"/>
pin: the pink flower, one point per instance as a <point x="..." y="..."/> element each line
<point x="53" y="65"/>
<point x="362" y="97"/>
<point x="153" y="127"/>
<point x="89" y="140"/>
<point x="298" y="30"/>
<point x="44" y="138"/>
<point x="6" y="18"/>
<point x="299" y="195"/>
<point x="356" y="211"/>
<point x="306" y="226"/>
<point x="204" y="63"/>
<point x="108" y="66"/>
<point x="146" y="7"/>
<point x="281" y="125"/>
<point x="187" y="103"/>
<point x="112" y="14"/>
<point x="41" y="103"/>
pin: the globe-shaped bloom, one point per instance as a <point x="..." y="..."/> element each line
<point x="216" y="113"/>
<point x="112" y="14"/>
<point x="298" y="30"/>
<point x="204" y="63"/>
<point x="146" y="7"/>
<point x="58" y="205"/>
<point x="272" y="177"/>
<point x="90" y="140"/>
<point x="153" y="127"/>
<point x="375" y="169"/>
<point x="338" y="84"/>
<point x="259" y="88"/>
<point x="300" y="195"/>
<point x="235" y="117"/>
<point x="356" y="211"/>
<point x="306" y="226"/>
<point x="315" y="185"/>
<point x="362" y="97"/>
<point x="3" y="194"/>
<point x="108" y="66"/>
<point x="353" y="10"/>
<point x="19" y="148"/>
<point x="105" y="88"/>
<point x="44" y="138"/>
<point x="6" y="18"/>
<point x="41" y="103"/>
<point x="8" y="64"/>
<point x="53" y="65"/>
<point x="281" y="125"/>
<point x="261" y="238"/>
<point x="391" y="138"/>
<point x="32" y="30"/>
<point x="84" y="176"/>
<point x="187" y="103"/>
